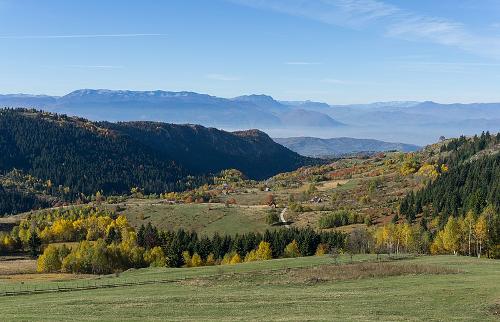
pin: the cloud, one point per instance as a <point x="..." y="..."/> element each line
<point x="303" y="63"/>
<point x="444" y="67"/>
<point x="387" y="19"/>
<point x="82" y="36"/>
<point x="221" y="77"/>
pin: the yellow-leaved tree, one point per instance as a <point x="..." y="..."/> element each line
<point x="236" y="259"/>
<point x="196" y="260"/>
<point x="451" y="235"/>
<point x="155" y="257"/>
<point x="292" y="249"/>
<point x="481" y="232"/>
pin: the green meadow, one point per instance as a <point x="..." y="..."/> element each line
<point x="431" y="288"/>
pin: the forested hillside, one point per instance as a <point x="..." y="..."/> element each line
<point x="76" y="156"/>
<point x="208" y="150"/>
<point x="471" y="184"/>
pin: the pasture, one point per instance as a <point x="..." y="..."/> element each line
<point x="436" y="288"/>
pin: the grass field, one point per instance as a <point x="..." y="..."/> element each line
<point x="439" y="288"/>
<point x="205" y="218"/>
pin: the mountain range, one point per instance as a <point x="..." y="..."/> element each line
<point x="397" y="121"/>
<point x="336" y="147"/>
<point x="175" y="107"/>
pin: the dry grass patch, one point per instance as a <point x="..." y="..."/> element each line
<point x="17" y="266"/>
<point x="495" y="308"/>
<point x="331" y="184"/>
<point x="363" y="270"/>
<point x="322" y="273"/>
<point x="50" y="277"/>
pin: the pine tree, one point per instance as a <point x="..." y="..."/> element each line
<point x="34" y="243"/>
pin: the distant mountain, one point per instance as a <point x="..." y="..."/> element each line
<point x="303" y="118"/>
<point x="408" y="121"/>
<point x="306" y="105"/>
<point x="114" y="157"/>
<point x="25" y="100"/>
<point x="262" y="101"/>
<point x="316" y="147"/>
<point x="250" y="111"/>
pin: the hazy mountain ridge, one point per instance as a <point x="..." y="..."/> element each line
<point x="334" y="147"/>
<point x="174" y="107"/>
<point x="394" y="121"/>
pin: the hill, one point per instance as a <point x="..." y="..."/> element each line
<point x="316" y="147"/>
<point x="78" y="155"/>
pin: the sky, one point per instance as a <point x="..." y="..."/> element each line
<point x="334" y="51"/>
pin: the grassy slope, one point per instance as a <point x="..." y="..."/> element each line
<point x="202" y="218"/>
<point x="468" y="295"/>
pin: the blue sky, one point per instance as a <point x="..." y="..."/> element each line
<point x="337" y="51"/>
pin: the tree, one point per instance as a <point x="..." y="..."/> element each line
<point x="235" y="259"/>
<point x="34" y="243"/>
<point x="437" y="246"/>
<point x="451" y="235"/>
<point x="264" y="251"/>
<point x="148" y="237"/>
<point x="321" y="250"/>
<point x="196" y="260"/>
<point x="210" y="261"/>
<point x="469" y="224"/>
<point x="51" y="259"/>
<point x="186" y="257"/>
<point x="269" y="200"/>
<point x="359" y="241"/>
<point x="292" y="249"/>
<point x="155" y="257"/>
<point x="481" y="231"/>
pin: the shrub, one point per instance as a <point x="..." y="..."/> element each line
<point x="292" y="249"/>
<point x="337" y="219"/>
<point x="321" y="250"/>
<point x="272" y="217"/>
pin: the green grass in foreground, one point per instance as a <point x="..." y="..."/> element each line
<point x="251" y="292"/>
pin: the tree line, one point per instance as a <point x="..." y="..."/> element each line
<point x="107" y="243"/>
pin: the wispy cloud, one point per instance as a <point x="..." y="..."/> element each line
<point x="222" y="77"/>
<point x="444" y="67"/>
<point x="303" y="63"/>
<point x="79" y="36"/>
<point x="388" y="19"/>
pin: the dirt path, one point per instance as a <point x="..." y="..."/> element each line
<point x="282" y="218"/>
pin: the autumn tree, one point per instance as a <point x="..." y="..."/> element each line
<point x="451" y="235"/>
<point x="481" y="232"/>
<point x="155" y="257"/>
<point x="292" y="249"/>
